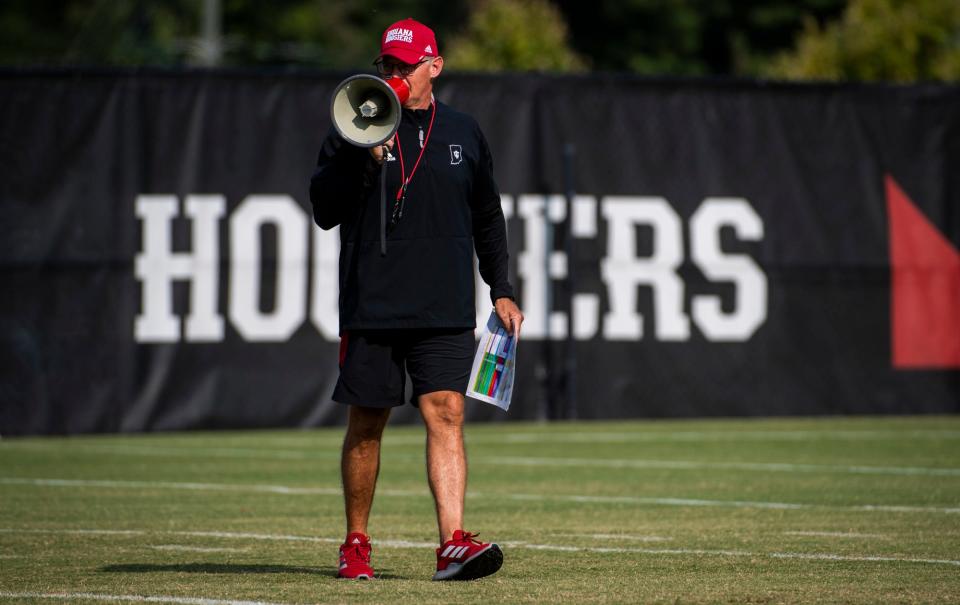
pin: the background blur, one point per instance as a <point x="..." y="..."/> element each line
<point x="898" y="40"/>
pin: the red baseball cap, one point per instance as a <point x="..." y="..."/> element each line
<point x="409" y="41"/>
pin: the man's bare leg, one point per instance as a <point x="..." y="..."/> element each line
<point x="360" y="463"/>
<point x="442" y="413"/>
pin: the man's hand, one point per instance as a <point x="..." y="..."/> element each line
<point x="378" y="152"/>
<point x="509" y="314"/>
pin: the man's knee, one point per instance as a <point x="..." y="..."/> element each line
<point x="442" y="409"/>
<point x="367" y="423"/>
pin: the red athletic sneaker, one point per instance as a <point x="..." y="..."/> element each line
<point x="464" y="558"/>
<point x="355" y="558"/>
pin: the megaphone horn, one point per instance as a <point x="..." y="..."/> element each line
<point x="365" y="110"/>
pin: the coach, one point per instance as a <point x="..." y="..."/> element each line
<point x="408" y="306"/>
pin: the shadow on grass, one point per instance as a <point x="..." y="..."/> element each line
<point x="228" y="568"/>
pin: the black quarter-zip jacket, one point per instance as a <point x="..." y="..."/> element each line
<point x="452" y="207"/>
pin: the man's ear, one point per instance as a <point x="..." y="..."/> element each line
<point x="436" y="66"/>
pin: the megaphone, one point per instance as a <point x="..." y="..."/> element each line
<point x="365" y="110"/>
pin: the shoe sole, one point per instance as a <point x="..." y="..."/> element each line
<point x="484" y="564"/>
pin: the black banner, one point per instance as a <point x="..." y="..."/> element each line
<point x="733" y="248"/>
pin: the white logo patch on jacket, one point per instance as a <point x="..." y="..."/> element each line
<point x="456" y="155"/>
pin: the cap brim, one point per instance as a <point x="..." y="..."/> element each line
<point x="407" y="56"/>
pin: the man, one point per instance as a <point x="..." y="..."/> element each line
<point x="409" y="306"/>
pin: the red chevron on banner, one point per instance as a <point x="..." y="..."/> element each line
<point x="925" y="288"/>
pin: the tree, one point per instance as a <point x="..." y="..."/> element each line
<point x="336" y="34"/>
<point x="514" y="35"/>
<point x="341" y="34"/>
<point x="688" y="37"/>
<point x="896" y="40"/>
<point x="78" y="32"/>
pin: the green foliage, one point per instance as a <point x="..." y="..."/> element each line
<point x="896" y="40"/>
<point x="900" y="40"/>
<point x="340" y="34"/>
<point x="688" y="37"/>
<point x="514" y="35"/>
<point x="70" y="32"/>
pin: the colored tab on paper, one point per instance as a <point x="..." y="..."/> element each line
<point x="491" y="378"/>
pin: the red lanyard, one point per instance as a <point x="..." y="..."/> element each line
<point x="404" y="179"/>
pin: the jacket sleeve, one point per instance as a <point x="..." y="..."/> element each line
<point x="489" y="226"/>
<point x="341" y="180"/>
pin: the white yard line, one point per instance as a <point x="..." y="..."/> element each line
<point x="250" y="536"/>
<point x="286" y="538"/>
<point x="833" y="534"/>
<point x="405" y="544"/>
<point x="656" y="501"/>
<point x="740" y="553"/>
<point x="229" y="535"/>
<point x="68" y="532"/>
<point x="695" y="465"/>
<point x="719" y="435"/>
<point x="259" y="488"/>
<point x="105" y="532"/>
<point x="615" y="537"/>
<point x="726" y="503"/>
<point x="313" y="449"/>
<point x="178" y="452"/>
<point x="191" y="534"/>
<point x="832" y="557"/>
<point x="549" y="547"/>
<point x="542" y="461"/>
<point x="185" y="548"/>
<point x="89" y="596"/>
<point x="330" y="491"/>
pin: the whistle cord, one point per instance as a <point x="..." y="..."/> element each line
<point x="404" y="179"/>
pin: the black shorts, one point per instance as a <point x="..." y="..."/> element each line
<point x="373" y="364"/>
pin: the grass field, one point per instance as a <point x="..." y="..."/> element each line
<point x="749" y="511"/>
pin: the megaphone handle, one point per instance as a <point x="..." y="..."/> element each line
<point x="383" y="202"/>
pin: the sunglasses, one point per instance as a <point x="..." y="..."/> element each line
<point x="387" y="67"/>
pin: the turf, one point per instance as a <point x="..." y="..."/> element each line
<point x="852" y="510"/>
